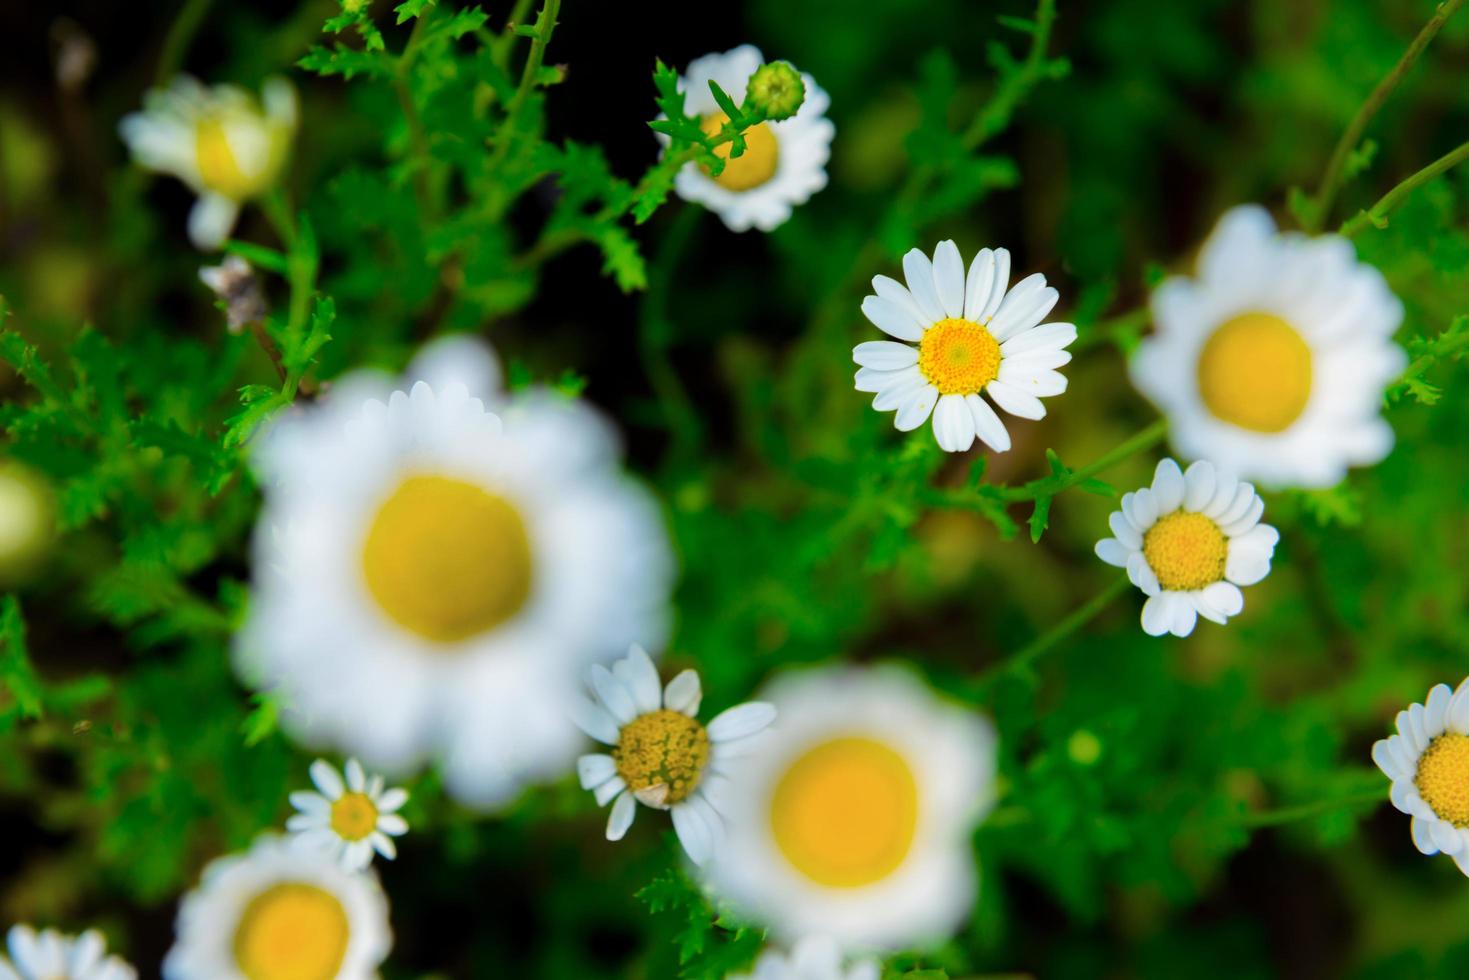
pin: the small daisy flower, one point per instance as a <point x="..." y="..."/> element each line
<point x="436" y="565"/>
<point x="962" y="335"/>
<point x="854" y="820"/>
<point x="1428" y="763"/>
<point x="784" y="162"/>
<point x="1272" y="361"/>
<point x="220" y="141"/>
<point x="1189" y="542"/>
<point x="662" y="757"/>
<point x="813" y="958"/>
<point x="280" y="911"/>
<point x="49" y="955"/>
<point x="350" y="818"/>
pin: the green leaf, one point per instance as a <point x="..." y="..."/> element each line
<point x="409" y="9"/>
<point x="16" y="673"/>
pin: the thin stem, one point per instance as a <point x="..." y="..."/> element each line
<point x="1377" y="214"/>
<point x="263" y="338"/>
<point x="1144" y="440"/>
<point x="176" y="44"/>
<point x="997" y="111"/>
<point x="1057" y="634"/>
<point x="505" y="42"/>
<point x="1305" y="811"/>
<point x="1335" y="169"/>
<point x="545" y="25"/>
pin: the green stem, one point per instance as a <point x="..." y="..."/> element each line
<point x="417" y="134"/>
<point x="998" y="110"/>
<point x="1057" y="634"/>
<point x="1335" y="169"/>
<point x="1141" y="442"/>
<point x="1377" y="214"/>
<point x="176" y="44"/>
<point x="1305" y="811"/>
<point x="545" y="25"/>
<point x="504" y="43"/>
<point x="301" y="267"/>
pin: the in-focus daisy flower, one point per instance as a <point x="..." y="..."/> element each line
<point x="221" y="141"/>
<point x="1271" y="362"/>
<point x="27" y="520"/>
<point x="661" y="755"/>
<point x="813" y="958"/>
<point x="350" y="818"/>
<point x="280" y="911"/>
<point x="1189" y="542"/>
<point x="962" y="335"/>
<point x="433" y="576"/>
<point x="784" y="162"/>
<point x="49" y="955"/>
<point x="1428" y="763"/>
<point x="853" y="818"/>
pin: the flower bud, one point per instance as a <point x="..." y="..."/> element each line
<point x="776" y="89"/>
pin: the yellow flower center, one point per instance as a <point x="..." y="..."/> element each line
<point x="1186" y="551"/>
<point x="1443" y="777"/>
<point x="218" y="168"/>
<point x="845" y="812"/>
<point x="753" y="167"/>
<point x="1255" y="372"/>
<point x="292" y="931"/>
<point x="446" y="559"/>
<point x="958" y="356"/>
<point x="662" y="748"/>
<point x="354" y="816"/>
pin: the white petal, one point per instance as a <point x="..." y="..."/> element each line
<point x="998" y="284"/>
<point x="1385" y="760"/>
<point x="1124" y="530"/>
<point x="637" y="672"/>
<point x="1141" y="508"/>
<point x="1111" y="551"/>
<point x="1156" y="615"/>
<point x="1052" y="336"/>
<point x="327" y="779"/>
<point x="1446" y="837"/>
<point x="914" y="412"/>
<point x="211" y="220"/>
<point x="616" y="698"/>
<point x="918" y="271"/>
<point x="1422" y="831"/>
<point x="683" y="693"/>
<point x="608" y="790"/>
<point x="891" y="319"/>
<point x="692" y="833"/>
<point x="1023" y="308"/>
<point x="1225" y="597"/>
<point x="1246" y="568"/>
<point x="1168" y="486"/>
<point x="987" y="424"/>
<point x="885" y="355"/>
<point x="979" y="283"/>
<point x="392" y="824"/>
<point x="870" y="380"/>
<point x="1184" y="616"/>
<point x="1141" y="574"/>
<point x="741" y="720"/>
<point x="953" y="425"/>
<point x="594" y="720"/>
<point x="309" y="802"/>
<point x="1018" y="403"/>
<point x="595" y="769"/>
<point x="384" y="845"/>
<point x="1198" y="485"/>
<point x="948" y="277"/>
<point x="1436" y="710"/>
<point x="621" y="816"/>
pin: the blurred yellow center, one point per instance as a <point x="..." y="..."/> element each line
<point x="292" y="931"/>
<point x="662" y="748"/>
<point x="1255" y="372"/>
<point x="446" y="559"/>
<point x="354" y="816"/>
<point x="958" y="356"/>
<point x="1443" y="777"/>
<point x="753" y="167"/>
<point x="218" y="168"/>
<point x="1186" y="551"/>
<point x="845" y="812"/>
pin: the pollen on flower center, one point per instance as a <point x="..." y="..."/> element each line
<point x="447" y="559"/>
<point x="844" y="813"/>
<point x="753" y="167"/>
<point x="292" y="931"/>
<point x="1443" y="777"/>
<point x="1255" y="372"/>
<point x="959" y="356"/>
<point x="1186" y="551"/>
<point x="354" y="816"/>
<point x="662" y="748"/>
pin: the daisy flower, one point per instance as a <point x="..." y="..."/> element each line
<point x="784" y="162"/>
<point x="813" y="958"/>
<point x="49" y="955"/>
<point x="1272" y="361"/>
<point x="962" y="335"/>
<point x="280" y="911"/>
<point x="349" y="818"/>
<point x="1428" y="763"/>
<point x="662" y="757"/>
<point x="1189" y="542"/>
<point x="435" y="567"/>
<point x="854" y="820"/>
<point x="220" y="141"/>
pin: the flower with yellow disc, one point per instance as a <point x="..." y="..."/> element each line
<point x="1189" y="542"/>
<point x="1428" y="763"/>
<point x="280" y="911"/>
<point x="1271" y="362"/>
<point x="350" y="815"/>
<point x="784" y="162"/>
<point x="853" y="819"/>
<point x="662" y="756"/>
<point x="957" y="335"/>
<point x="221" y="141"/>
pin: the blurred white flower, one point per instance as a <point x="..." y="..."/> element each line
<point x="1188" y="542"/>
<point x="350" y="818"/>
<point x="661" y="756"/>
<point x="280" y="910"/>
<point x="1428" y="763"/>
<point x="50" y="955"/>
<point x="1272" y="361"/>
<point x="432" y="580"/>
<point x="813" y="958"/>
<point x="852" y="818"/>
<point x="962" y="334"/>
<point x="27" y="520"/>
<point x="220" y="141"/>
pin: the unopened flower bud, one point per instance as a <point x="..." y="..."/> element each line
<point x="776" y="89"/>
